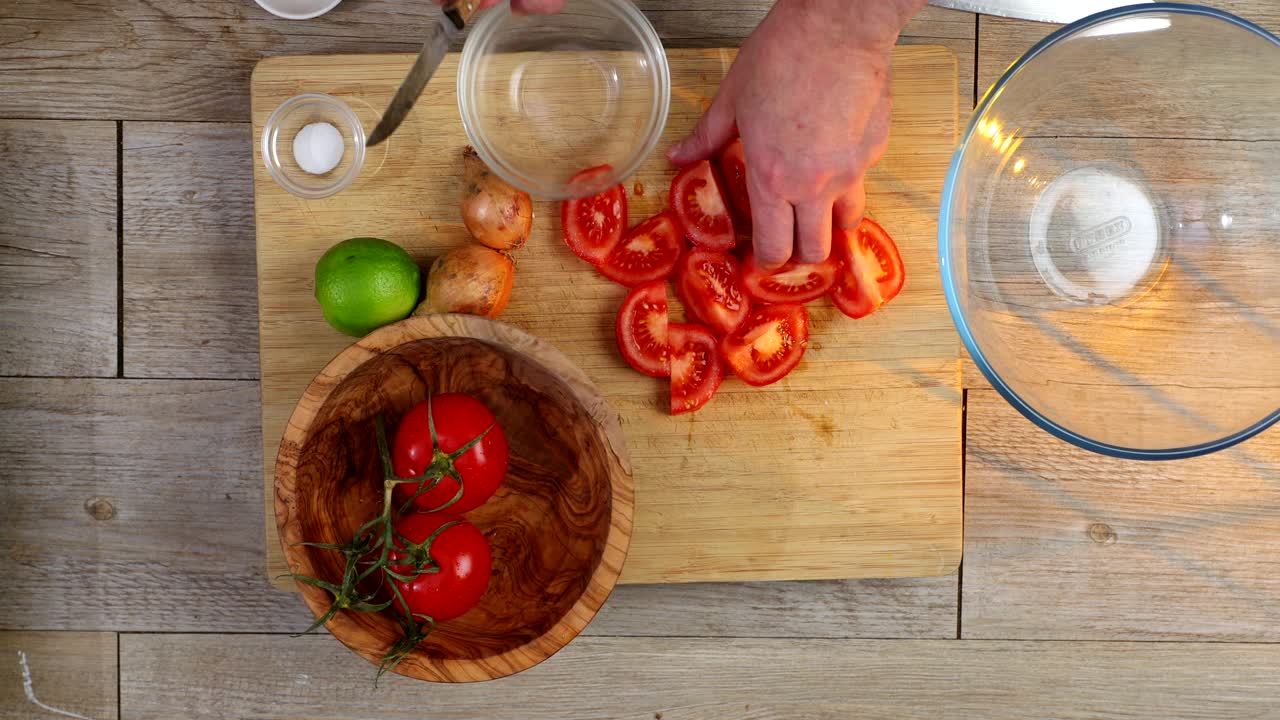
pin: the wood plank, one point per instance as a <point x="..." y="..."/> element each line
<point x="169" y="464"/>
<point x="134" y="505"/>
<point x="1004" y="40"/>
<point x="190" y="298"/>
<point x="870" y="424"/>
<point x="686" y="679"/>
<point x="867" y="608"/>
<point x="178" y="60"/>
<point x="51" y="675"/>
<point x="1065" y="544"/>
<point x="57" y="247"/>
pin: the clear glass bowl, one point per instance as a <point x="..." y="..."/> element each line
<point x="284" y="124"/>
<point x="545" y="96"/>
<point x="1110" y="232"/>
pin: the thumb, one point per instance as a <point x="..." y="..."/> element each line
<point x="716" y="128"/>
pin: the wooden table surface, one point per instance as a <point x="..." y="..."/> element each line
<point x="131" y="545"/>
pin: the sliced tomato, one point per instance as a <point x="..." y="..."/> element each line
<point x="699" y="204"/>
<point x="768" y="344"/>
<point x="733" y="168"/>
<point x="871" y="271"/>
<point x="642" y="330"/>
<point x="593" y="225"/>
<point x="647" y="252"/>
<point x="794" y="282"/>
<point x="696" y="371"/>
<point x="709" y="284"/>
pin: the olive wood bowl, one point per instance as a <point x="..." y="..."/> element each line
<point x="559" y="526"/>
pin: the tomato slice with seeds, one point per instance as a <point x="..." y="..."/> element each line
<point x="768" y="344"/>
<point x="647" y="252"/>
<point x="699" y="204"/>
<point x="696" y="371"/>
<point x="794" y="282"/>
<point x="871" y="271"/>
<point x="709" y="283"/>
<point x="733" y="168"/>
<point x="593" y="225"/>
<point x="642" y="330"/>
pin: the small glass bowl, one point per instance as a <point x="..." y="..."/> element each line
<point x="277" y="144"/>
<point x="545" y="96"/>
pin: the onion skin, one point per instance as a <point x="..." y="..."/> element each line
<point x="496" y="214"/>
<point x="471" y="279"/>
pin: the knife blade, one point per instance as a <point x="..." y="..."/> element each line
<point x="1052" y="11"/>
<point x="455" y="15"/>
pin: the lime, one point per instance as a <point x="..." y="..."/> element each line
<point x="365" y="283"/>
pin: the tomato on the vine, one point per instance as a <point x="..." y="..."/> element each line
<point x="699" y="204"/>
<point x="641" y="330"/>
<point x="593" y="225"/>
<point x="647" y="252"/>
<point x="768" y="344"/>
<point x="709" y="284"/>
<point x="871" y="272"/>
<point x="458" y="420"/>
<point x="794" y="282"/>
<point x="459" y="552"/>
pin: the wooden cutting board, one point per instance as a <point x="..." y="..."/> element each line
<point x="849" y="467"/>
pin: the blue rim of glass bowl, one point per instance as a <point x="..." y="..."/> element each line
<point x="944" y="244"/>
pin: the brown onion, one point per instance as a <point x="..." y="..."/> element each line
<point x="470" y="279"/>
<point x="496" y="214"/>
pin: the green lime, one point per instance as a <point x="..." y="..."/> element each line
<point x="365" y="283"/>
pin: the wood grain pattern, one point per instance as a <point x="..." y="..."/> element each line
<point x="179" y="60"/>
<point x="57" y="248"/>
<point x="683" y="679"/>
<point x="558" y="527"/>
<point x="175" y="465"/>
<point x="134" y="505"/>
<point x="190" y="303"/>
<point x="865" y="435"/>
<point x="1064" y="544"/>
<point x="69" y="672"/>
<point x="1004" y="40"/>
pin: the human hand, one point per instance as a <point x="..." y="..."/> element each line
<point x="809" y="94"/>
<point x="524" y="7"/>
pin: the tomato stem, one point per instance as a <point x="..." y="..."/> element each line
<point x="373" y="543"/>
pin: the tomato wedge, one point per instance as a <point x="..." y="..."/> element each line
<point x="699" y="204"/>
<point x="593" y="225"/>
<point x="647" y="252"/>
<point x="709" y="284"/>
<point x="733" y="167"/>
<point x="696" y="371"/>
<point x="642" y="330"/>
<point x="794" y="282"/>
<point x="768" y="344"/>
<point x="871" y="272"/>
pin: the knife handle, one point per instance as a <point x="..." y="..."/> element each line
<point x="459" y="12"/>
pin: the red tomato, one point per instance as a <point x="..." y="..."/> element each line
<point x="794" y="282"/>
<point x="459" y="419"/>
<point x="871" y="272"/>
<point x="646" y="253"/>
<point x="733" y="167"/>
<point x="768" y="344"/>
<point x="593" y="225"/>
<point x="699" y="204"/>
<point x="709" y="284"/>
<point x="696" y="371"/>
<point x="462" y="555"/>
<point x="642" y="330"/>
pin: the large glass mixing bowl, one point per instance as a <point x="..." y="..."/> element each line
<point x="1110" y="232"/>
